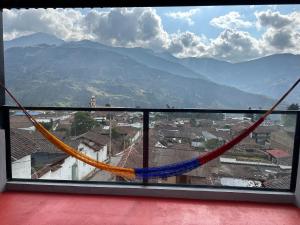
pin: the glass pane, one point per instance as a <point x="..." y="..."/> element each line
<point x="108" y="137"/>
<point x="262" y="160"/>
<point x="184" y="57"/>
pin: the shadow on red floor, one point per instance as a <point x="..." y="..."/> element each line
<point x="64" y="209"/>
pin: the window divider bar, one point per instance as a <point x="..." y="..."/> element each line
<point x="7" y="143"/>
<point x="145" y="142"/>
<point x="295" y="154"/>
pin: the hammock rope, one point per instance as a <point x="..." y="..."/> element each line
<point x="150" y="172"/>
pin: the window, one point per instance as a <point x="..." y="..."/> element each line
<point x="234" y="61"/>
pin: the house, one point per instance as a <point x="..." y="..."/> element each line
<point x="261" y="135"/>
<point x="280" y="157"/>
<point x="176" y="152"/>
<point x="35" y="157"/>
<point x="208" y="136"/>
<point x="21" y="150"/>
<point x="91" y="144"/>
<point x="132" y="134"/>
<point x="197" y="143"/>
<point x="159" y="145"/>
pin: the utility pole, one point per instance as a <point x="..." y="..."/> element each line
<point x="109" y="152"/>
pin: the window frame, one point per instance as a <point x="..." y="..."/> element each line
<point x="292" y="197"/>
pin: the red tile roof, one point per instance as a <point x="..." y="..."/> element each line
<point x="277" y="153"/>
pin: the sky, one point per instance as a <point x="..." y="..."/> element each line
<point x="231" y="33"/>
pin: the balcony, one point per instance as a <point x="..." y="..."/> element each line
<point x="253" y="171"/>
<point x="39" y="184"/>
<point x="264" y="164"/>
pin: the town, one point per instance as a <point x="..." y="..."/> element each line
<point x="262" y="160"/>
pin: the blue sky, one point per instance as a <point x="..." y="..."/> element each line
<point x="206" y="14"/>
<point x="231" y="33"/>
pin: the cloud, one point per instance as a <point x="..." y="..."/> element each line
<point x="234" y="46"/>
<point x="282" y="31"/>
<point x="118" y="27"/>
<point x="187" y="44"/>
<point x="273" y="19"/>
<point x="231" y="20"/>
<point x="230" y="45"/>
<point x="127" y="27"/>
<point x="64" y="23"/>
<point x="184" y="15"/>
<point x="142" y="27"/>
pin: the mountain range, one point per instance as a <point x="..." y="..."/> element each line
<point x="44" y="70"/>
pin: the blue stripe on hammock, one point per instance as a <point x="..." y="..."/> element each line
<point x="168" y="170"/>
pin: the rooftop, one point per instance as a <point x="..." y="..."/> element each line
<point x="277" y="153"/>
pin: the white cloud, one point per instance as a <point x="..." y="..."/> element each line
<point x="64" y="23"/>
<point x="184" y="15"/>
<point x="282" y="31"/>
<point x="127" y="27"/>
<point x="232" y="20"/>
<point x="233" y="45"/>
<point x="118" y="27"/>
<point x="187" y="44"/>
<point x="142" y="27"/>
<point x="273" y="19"/>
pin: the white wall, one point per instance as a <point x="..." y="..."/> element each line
<point x="63" y="173"/>
<point x="101" y="156"/>
<point x="83" y="169"/>
<point x="22" y="168"/>
<point x="136" y="136"/>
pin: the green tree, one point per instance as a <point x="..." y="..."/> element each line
<point x="115" y="134"/>
<point x="193" y="122"/>
<point x="290" y="119"/>
<point x="293" y="106"/>
<point x="212" y="143"/>
<point x="82" y="123"/>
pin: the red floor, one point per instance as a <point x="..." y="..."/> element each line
<point x="63" y="209"/>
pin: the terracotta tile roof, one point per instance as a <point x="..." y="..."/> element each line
<point x="21" y="145"/>
<point x="277" y="153"/>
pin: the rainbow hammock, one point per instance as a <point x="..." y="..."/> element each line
<point x="150" y="172"/>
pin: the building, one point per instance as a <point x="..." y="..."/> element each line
<point x="93" y="102"/>
<point x="280" y="157"/>
<point x="261" y="135"/>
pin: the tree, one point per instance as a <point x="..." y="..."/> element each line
<point x="82" y="123"/>
<point x="115" y="133"/>
<point x="193" y="122"/>
<point x="212" y="143"/>
<point x="293" y="106"/>
<point x="290" y="120"/>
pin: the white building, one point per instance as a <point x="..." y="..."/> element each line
<point x="91" y="144"/>
<point x="28" y="152"/>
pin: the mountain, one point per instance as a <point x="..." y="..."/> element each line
<point x="146" y="57"/>
<point x="70" y="73"/>
<point x="32" y="40"/>
<point x="270" y="76"/>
